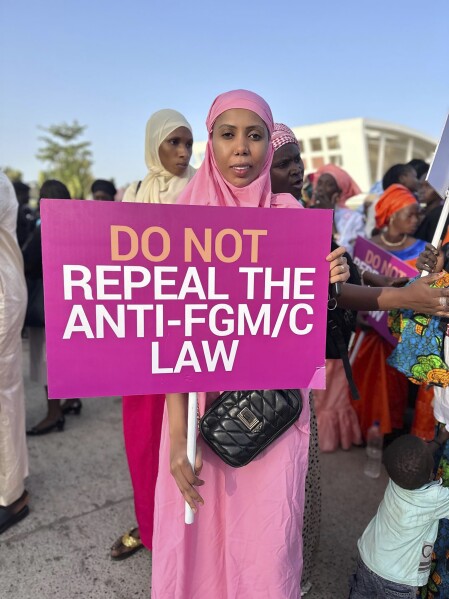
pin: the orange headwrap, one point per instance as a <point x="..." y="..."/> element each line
<point x="344" y="181"/>
<point x="394" y="198"/>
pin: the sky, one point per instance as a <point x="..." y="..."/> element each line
<point x="110" y="65"/>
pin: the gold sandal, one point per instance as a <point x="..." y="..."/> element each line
<point x="127" y="545"/>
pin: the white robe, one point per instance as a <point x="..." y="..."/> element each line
<point x="13" y="300"/>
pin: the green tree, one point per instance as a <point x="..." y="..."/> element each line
<point x="69" y="160"/>
<point x="12" y="173"/>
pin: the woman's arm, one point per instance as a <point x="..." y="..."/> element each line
<point x="180" y="467"/>
<point x="418" y="296"/>
<point x="375" y="280"/>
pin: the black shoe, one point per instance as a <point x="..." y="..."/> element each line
<point x="73" y="408"/>
<point x="56" y="425"/>
<point x="8" y="517"/>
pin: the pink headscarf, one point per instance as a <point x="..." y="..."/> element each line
<point x="344" y="181"/>
<point x="208" y="187"/>
<point x="282" y="135"/>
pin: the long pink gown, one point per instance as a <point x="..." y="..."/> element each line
<point x="246" y="541"/>
<point x="142" y="421"/>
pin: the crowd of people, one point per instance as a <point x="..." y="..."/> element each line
<point x="251" y="161"/>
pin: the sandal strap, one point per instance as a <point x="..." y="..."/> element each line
<point x="129" y="541"/>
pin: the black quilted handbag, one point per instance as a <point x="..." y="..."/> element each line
<point x="240" y="424"/>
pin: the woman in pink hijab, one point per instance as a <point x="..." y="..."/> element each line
<point x="246" y="540"/>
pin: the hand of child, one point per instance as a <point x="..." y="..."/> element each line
<point x="339" y="269"/>
<point x="183" y="474"/>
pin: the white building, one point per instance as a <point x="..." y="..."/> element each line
<point x="363" y="147"/>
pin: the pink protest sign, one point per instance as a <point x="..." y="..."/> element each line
<point x="369" y="256"/>
<point x="153" y="298"/>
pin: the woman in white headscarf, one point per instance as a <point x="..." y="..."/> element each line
<point x="168" y="148"/>
<point x="13" y="301"/>
<point x="167" y="175"/>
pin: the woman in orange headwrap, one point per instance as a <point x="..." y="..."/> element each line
<point x="397" y="216"/>
<point x="384" y="392"/>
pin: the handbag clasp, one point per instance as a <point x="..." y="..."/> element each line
<point x="249" y="419"/>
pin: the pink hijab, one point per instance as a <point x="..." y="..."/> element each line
<point x="282" y="135"/>
<point x="209" y="188"/>
<point x="344" y="181"/>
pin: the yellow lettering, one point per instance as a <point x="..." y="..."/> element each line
<point x="115" y="250"/>
<point x="255" y="234"/>
<point x="165" y="244"/>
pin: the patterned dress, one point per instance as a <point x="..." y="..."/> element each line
<point x="312" y="505"/>
<point x="437" y="586"/>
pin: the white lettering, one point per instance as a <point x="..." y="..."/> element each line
<point x="250" y="272"/>
<point x="220" y="352"/>
<point x="102" y="282"/>
<point x="84" y="327"/>
<point x="298" y="283"/>
<point x="155" y="368"/>
<point x="68" y="270"/>
<point x="187" y="357"/>
<point x="293" y="326"/>
<point x="159" y="282"/>
<point x="128" y="282"/>
<point x="228" y="323"/>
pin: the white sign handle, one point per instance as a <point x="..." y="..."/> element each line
<point x="440" y="226"/>
<point x="192" y="412"/>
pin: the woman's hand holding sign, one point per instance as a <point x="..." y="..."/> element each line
<point x="180" y="468"/>
<point x="431" y="259"/>
<point x="183" y="474"/>
<point x="339" y="269"/>
<point x="422" y="298"/>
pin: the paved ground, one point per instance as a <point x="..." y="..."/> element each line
<point x="81" y="499"/>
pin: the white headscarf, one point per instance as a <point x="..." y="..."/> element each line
<point x="8" y="207"/>
<point x="160" y="186"/>
<point x="11" y="262"/>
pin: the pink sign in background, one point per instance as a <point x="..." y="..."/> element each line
<point x="369" y="256"/>
<point x="101" y="359"/>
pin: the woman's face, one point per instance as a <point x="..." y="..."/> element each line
<point x="175" y="151"/>
<point x="240" y="143"/>
<point x="410" y="179"/>
<point x="326" y="192"/>
<point x="287" y="171"/>
<point x="427" y="194"/>
<point x="406" y="219"/>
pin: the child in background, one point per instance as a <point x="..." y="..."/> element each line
<point x="396" y="547"/>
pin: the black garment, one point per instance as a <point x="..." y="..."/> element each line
<point x="32" y="257"/>
<point x="26" y="220"/>
<point x="345" y="319"/>
<point x="427" y="228"/>
<point x="445" y="250"/>
<point x="340" y="326"/>
<point x="32" y="254"/>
